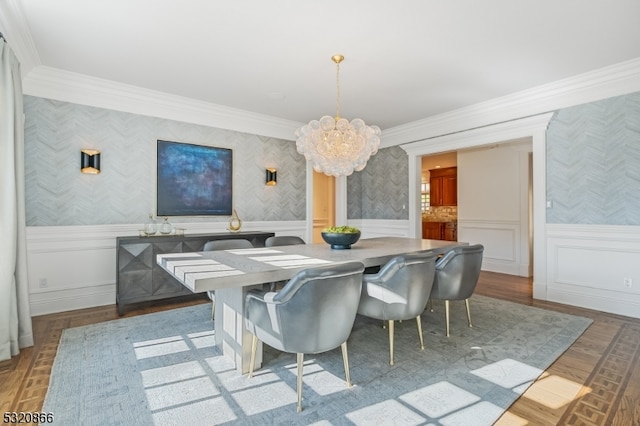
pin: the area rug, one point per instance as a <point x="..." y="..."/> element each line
<point x="164" y="369"/>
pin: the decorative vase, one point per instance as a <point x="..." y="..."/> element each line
<point x="166" y="227"/>
<point x="151" y="227"/>
<point x="234" y="222"/>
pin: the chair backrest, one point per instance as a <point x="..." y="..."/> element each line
<point x="403" y="286"/>
<point x="457" y="272"/>
<point x="228" y="244"/>
<point x="284" y="240"/>
<point x="315" y="311"/>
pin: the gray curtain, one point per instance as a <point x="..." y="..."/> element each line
<point x="15" y="318"/>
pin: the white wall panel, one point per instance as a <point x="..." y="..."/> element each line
<point x="489" y="184"/>
<point x="493" y="208"/>
<point x="498" y="239"/>
<point x="588" y="265"/>
<point x="371" y="228"/>
<point x="74" y="267"/>
<point x="501" y="243"/>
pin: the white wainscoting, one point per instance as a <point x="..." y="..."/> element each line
<point x="588" y="265"/>
<point x="74" y="267"/>
<point x="504" y="248"/>
<point x="503" y="252"/>
<point x="371" y="228"/>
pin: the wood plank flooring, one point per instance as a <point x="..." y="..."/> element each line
<point x="595" y="382"/>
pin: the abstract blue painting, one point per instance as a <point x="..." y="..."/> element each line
<point x="193" y="180"/>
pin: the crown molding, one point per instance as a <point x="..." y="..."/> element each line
<point x="16" y="31"/>
<point x="53" y="83"/>
<point x="66" y="86"/>
<point x="607" y="82"/>
<point x="38" y="80"/>
<point x="514" y="131"/>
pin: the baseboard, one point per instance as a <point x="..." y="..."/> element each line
<point x="62" y="300"/>
<point x="613" y="303"/>
<point x="492" y="265"/>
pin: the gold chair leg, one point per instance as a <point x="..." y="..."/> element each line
<point x="300" y="362"/>
<point x="466" y="302"/>
<point x="391" y="342"/>
<point x="252" y="361"/>
<point x="345" y="360"/>
<point x="446" y="316"/>
<point x="419" y="321"/>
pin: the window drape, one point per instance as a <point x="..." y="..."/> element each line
<point x="15" y="318"/>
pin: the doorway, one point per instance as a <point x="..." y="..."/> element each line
<point x="324" y="204"/>
<point x="494" y="187"/>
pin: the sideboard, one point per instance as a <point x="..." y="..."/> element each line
<point x="139" y="278"/>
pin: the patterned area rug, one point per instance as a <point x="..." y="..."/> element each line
<point x="163" y="369"/>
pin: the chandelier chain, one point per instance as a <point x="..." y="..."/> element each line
<point x="337" y="91"/>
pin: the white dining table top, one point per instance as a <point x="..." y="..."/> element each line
<point x="212" y="270"/>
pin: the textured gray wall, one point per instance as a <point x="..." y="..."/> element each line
<point x="382" y="189"/>
<point x="593" y="167"/>
<point x="58" y="194"/>
<point x="593" y="163"/>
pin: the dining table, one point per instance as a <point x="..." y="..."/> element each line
<point x="231" y="274"/>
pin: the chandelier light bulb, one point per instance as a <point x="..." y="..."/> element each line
<point x="335" y="146"/>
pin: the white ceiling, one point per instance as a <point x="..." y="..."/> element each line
<point x="405" y="60"/>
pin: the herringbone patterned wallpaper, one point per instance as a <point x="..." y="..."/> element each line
<point x="57" y="194"/>
<point x="593" y="163"/>
<point x="381" y="190"/>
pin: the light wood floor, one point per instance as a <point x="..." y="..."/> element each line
<point x="595" y="382"/>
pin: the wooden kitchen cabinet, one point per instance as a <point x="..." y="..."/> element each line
<point x="444" y="186"/>
<point x="432" y="230"/>
<point x="450" y="231"/>
<point x="440" y="231"/>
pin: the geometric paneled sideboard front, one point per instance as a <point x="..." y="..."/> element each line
<point x="138" y="276"/>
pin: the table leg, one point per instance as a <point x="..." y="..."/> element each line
<point x="232" y="336"/>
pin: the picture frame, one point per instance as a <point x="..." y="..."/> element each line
<point x="193" y="180"/>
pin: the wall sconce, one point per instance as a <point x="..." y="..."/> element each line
<point x="272" y="177"/>
<point x="90" y="161"/>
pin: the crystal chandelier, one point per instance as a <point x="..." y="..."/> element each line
<point x="335" y="146"/>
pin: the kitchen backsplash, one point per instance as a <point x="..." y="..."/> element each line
<point x="441" y="214"/>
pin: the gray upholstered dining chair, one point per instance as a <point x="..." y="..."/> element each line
<point x="457" y="274"/>
<point x="313" y="313"/>
<point x="399" y="291"/>
<point x="283" y="240"/>
<point x="228" y="244"/>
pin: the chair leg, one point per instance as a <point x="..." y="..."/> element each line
<point x="300" y="362"/>
<point x="419" y="321"/>
<point x="391" y="342"/>
<point x="345" y="360"/>
<point x="466" y="302"/>
<point x="446" y="316"/>
<point x="213" y="304"/>
<point x="254" y="347"/>
<point x="430" y="305"/>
